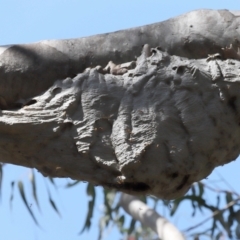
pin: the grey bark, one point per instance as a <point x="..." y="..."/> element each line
<point x="38" y="65"/>
<point x="161" y="124"/>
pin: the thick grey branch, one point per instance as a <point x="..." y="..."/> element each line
<point x="28" y="69"/>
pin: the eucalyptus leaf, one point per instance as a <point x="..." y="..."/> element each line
<point x="22" y="193"/>
<point x="12" y="194"/>
<point x="34" y="188"/>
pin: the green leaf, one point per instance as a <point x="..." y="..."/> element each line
<point x="52" y="181"/>
<point x="194" y="208"/>
<point x="231" y="218"/>
<point x="22" y="193"/>
<point x="1" y="177"/>
<point x="193" y="190"/>
<point x="175" y="205"/>
<point x="90" y="190"/>
<point x="109" y="197"/>
<point x="87" y="224"/>
<point x="103" y="222"/>
<point x="54" y="206"/>
<point x="132" y="226"/>
<point x="34" y="192"/>
<point x="121" y="221"/>
<point x="213" y="228"/>
<point x="52" y="203"/>
<point x="200" y="189"/>
<point x="144" y="199"/>
<point x="12" y="194"/>
<point x="218" y="201"/>
<point x="229" y="197"/>
<point x="221" y="220"/>
<point x="72" y="184"/>
<point x="219" y="236"/>
<point x="91" y="203"/>
<point x="231" y="215"/>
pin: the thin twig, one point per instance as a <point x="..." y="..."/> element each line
<point x="230" y="204"/>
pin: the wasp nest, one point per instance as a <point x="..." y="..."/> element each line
<point x="155" y="127"/>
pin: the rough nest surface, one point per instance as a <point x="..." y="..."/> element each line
<point x="153" y="126"/>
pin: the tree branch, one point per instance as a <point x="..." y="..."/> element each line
<point x="149" y="218"/>
<point x="26" y="70"/>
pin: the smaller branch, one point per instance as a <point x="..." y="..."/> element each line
<point x="215" y="213"/>
<point x="150" y="218"/>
